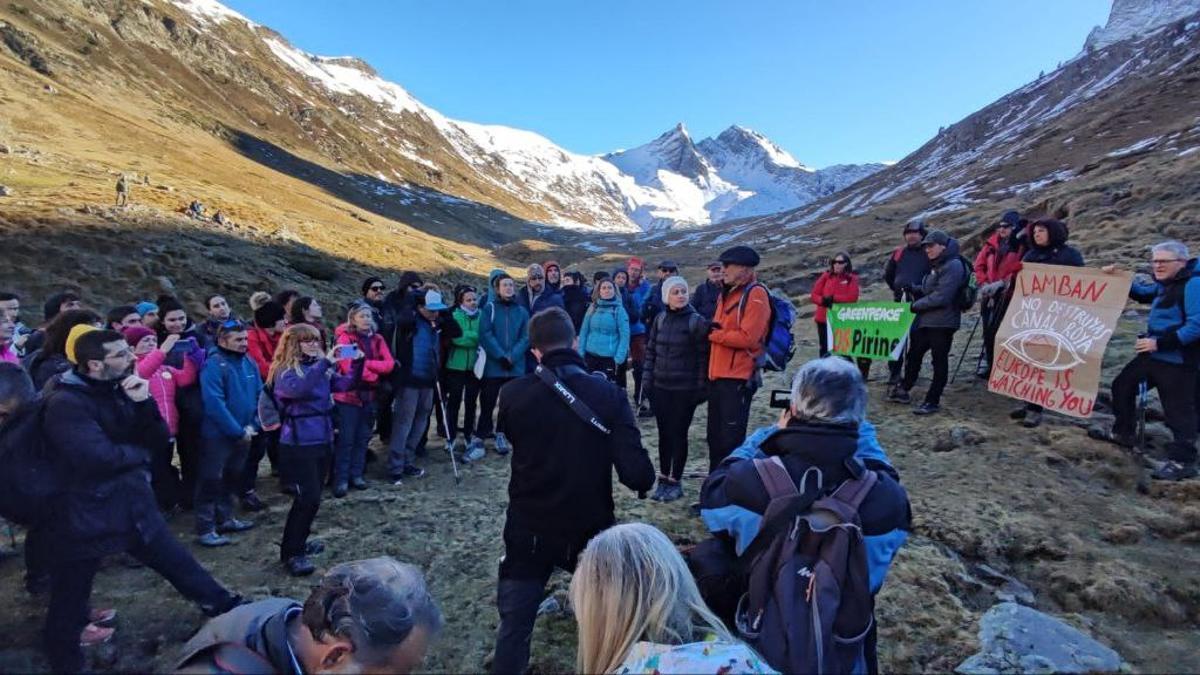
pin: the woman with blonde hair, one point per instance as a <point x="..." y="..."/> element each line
<point x="639" y="611"/>
<point x="301" y="381"/>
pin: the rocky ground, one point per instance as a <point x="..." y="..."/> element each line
<point x="1046" y="518"/>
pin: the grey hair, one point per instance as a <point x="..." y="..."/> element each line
<point x="1178" y="248"/>
<point x="374" y="603"/>
<point x="359" y="308"/>
<point x="829" y="390"/>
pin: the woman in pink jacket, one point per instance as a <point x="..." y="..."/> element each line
<point x="355" y="409"/>
<point x="164" y="381"/>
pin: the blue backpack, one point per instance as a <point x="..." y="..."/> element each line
<point x="779" y="346"/>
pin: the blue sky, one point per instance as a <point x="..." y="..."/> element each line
<point x="835" y="81"/>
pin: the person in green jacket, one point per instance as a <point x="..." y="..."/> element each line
<point x="604" y="334"/>
<point x="460" y="375"/>
<point x="504" y="336"/>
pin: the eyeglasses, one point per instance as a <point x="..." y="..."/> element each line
<point x="122" y="354"/>
<point x="1166" y="261"/>
<point x="309" y="340"/>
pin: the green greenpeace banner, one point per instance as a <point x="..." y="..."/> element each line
<point x="870" y="330"/>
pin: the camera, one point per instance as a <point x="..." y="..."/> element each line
<point x="781" y="399"/>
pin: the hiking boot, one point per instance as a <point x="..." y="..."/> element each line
<point x="93" y="635"/>
<point x="674" y="491"/>
<point x="412" y="471"/>
<point x="503" y="447"/>
<point x="1171" y="470"/>
<point x="251" y="502"/>
<point x="927" y="408"/>
<point x="658" y="491"/>
<point x="102" y="617"/>
<point x="475" y="451"/>
<point x="1033" y="418"/>
<point x="314" y="547"/>
<point x="983" y="372"/>
<point x="899" y="395"/>
<point x="1019" y="413"/>
<point x="358" y="483"/>
<point x="213" y="540"/>
<point x="234" y="525"/>
<point x="1101" y="432"/>
<point x="459" y="445"/>
<point x="397" y="481"/>
<point x="340" y="490"/>
<point x="299" y="566"/>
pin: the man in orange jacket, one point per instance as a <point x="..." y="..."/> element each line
<point x="739" y="328"/>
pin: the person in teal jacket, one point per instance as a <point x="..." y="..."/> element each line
<point x="604" y="334"/>
<point x="460" y="374"/>
<point x="230" y="384"/>
<point x="504" y="336"/>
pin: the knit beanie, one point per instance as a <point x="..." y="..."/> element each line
<point x="672" y="282"/>
<point x="73" y="336"/>
<point x="135" y="334"/>
<point x="366" y="285"/>
<point x="269" y="314"/>
<point x="145" y="307"/>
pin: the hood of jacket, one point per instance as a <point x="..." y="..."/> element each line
<point x="491" y="289"/>
<point x="1058" y="235"/>
<point x="952" y="252"/>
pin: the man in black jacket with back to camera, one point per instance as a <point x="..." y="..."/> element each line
<point x="560" y="492"/>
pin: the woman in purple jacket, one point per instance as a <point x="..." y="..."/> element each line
<point x="301" y="381"/>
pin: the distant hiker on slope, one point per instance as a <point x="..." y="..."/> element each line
<point x="122" y="191"/>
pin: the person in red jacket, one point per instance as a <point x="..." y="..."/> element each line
<point x="837" y="285"/>
<point x="996" y="266"/>
<point x="262" y="339"/>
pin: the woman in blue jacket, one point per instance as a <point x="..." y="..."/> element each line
<point x="604" y="333"/>
<point x="504" y="336"/>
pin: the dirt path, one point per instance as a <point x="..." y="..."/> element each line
<point x="1048" y="507"/>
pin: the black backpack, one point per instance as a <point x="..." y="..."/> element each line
<point x="968" y="291"/>
<point x="28" y="479"/>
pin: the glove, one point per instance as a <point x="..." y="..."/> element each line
<point x="713" y="325"/>
<point x="993" y="288"/>
<point x="827" y="301"/>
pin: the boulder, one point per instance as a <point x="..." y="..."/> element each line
<point x="1017" y="639"/>
<point x="4" y="191"/>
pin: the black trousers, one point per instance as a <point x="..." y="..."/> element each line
<point x="462" y="390"/>
<point x="728" y="415"/>
<point x="163" y="476"/>
<point x="937" y="341"/>
<point x="489" y="393"/>
<point x="1176" y="385"/>
<point x="266" y="443"/>
<point x="71" y="589"/>
<point x="528" y="562"/>
<point x="39" y="558"/>
<point x="188" y="445"/>
<point x="991" y="316"/>
<point x="305" y="469"/>
<point x="601" y="364"/>
<point x="673" y="411"/>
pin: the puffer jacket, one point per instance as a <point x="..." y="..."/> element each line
<point x="165" y="382"/>
<point x="739" y="341"/>
<point x="230" y="384"/>
<point x="305" y="402"/>
<point x="368" y="371"/>
<point x="998" y="260"/>
<point x="1174" y="319"/>
<point x="464" y="349"/>
<point x="638" y="295"/>
<point x="605" y="331"/>
<point x="841" y="289"/>
<point x="905" y="269"/>
<point x="936" y="305"/>
<point x="261" y="345"/>
<point x="677" y="351"/>
<point x="576" y="302"/>
<point x="43" y="367"/>
<point x="504" y="333"/>
<point x="99" y="442"/>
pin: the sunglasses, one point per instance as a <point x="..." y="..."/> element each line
<point x="231" y="326"/>
<point x="841" y="262"/>
<point x="377" y="288"/>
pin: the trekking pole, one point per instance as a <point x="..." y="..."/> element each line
<point x="1143" y="401"/>
<point x="437" y="389"/>
<point x="966" y="349"/>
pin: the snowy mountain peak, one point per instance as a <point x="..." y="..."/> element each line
<point x="740" y="141"/>
<point x="1130" y="18"/>
<point x="210" y="11"/>
<point x="673" y="151"/>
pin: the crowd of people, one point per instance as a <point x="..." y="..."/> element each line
<point x="156" y="413"/>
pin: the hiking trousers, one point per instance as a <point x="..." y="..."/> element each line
<point x="528" y="562"/>
<point x="728" y="416"/>
<point x="937" y="341"/>
<point x="410" y="420"/>
<point x="71" y="589"/>
<point x="489" y="393"/>
<point x="673" y="411"/>
<point x="354" y="424"/>
<point x="265" y="444"/>
<point x="305" y="468"/>
<point x="222" y="463"/>
<point x="1176" y="385"/>
<point x="462" y="391"/>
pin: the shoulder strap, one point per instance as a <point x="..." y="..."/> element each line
<point x="775" y="477"/>
<point x="897" y="254"/>
<point x="577" y="406"/>
<point x="746" y="298"/>
<point x="854" y="491"/>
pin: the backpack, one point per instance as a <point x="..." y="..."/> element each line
<point x="779" y="345"/>
<point x="29" y="482"/>
<point x="968" y="292"/>
<point x="808" y="606"/>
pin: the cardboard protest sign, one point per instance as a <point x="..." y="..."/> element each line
<point x="1052" y="339"/>
<point x="869" y="330"/>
